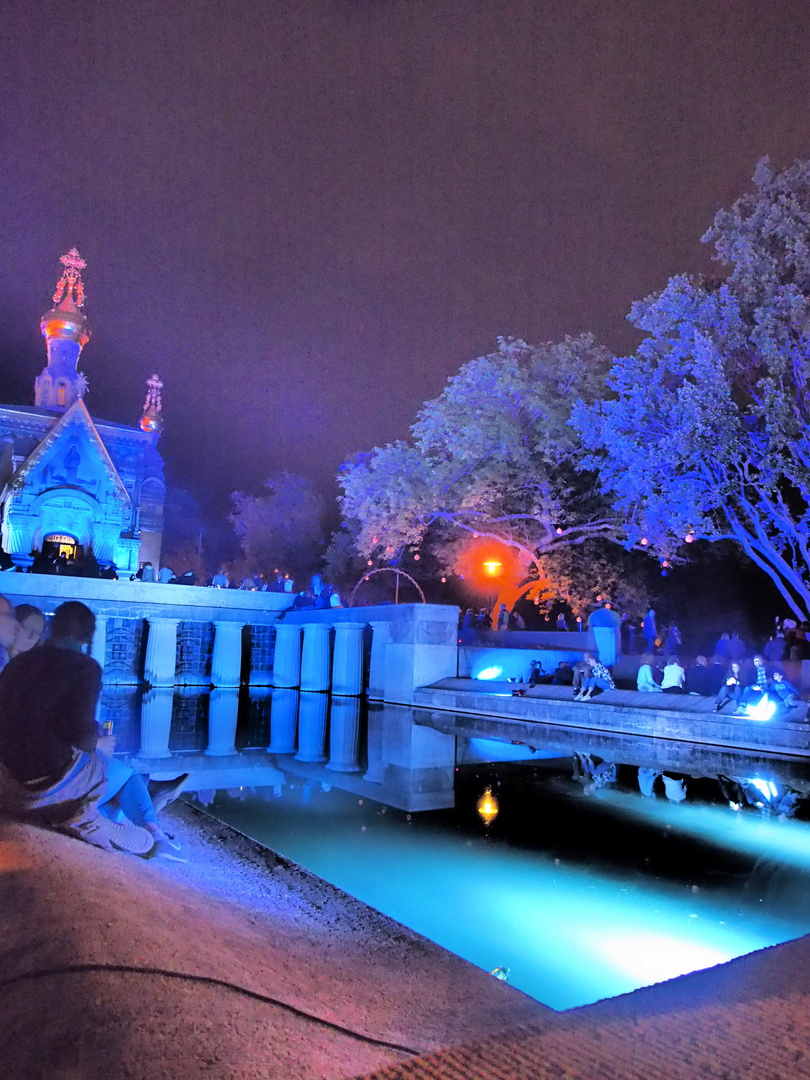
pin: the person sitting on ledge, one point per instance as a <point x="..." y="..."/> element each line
<point x="599" y="677"/>
<point x="674" y="677"/>
<point x="758" y="688"/>
<point x="581" y="670"/>
<point x="563" y="674"/>
<point x="732" y="688"/>
<point x="698" y="678"/>
<point x="53" y="773"/>
<point x="645" y="681"/>
<point x="784" y="693"/>
<point x="54" y="765"/>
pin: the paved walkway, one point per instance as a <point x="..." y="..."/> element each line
<point x="240" y="964"/>
<point x="749" y="1018"/>
<point x="237" y="964"/>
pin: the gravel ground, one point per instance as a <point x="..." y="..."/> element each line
<point x="237" y="965"/>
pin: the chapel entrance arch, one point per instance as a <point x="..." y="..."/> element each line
<point x="56" y="544"/>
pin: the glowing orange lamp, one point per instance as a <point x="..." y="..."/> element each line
<point x="487" y="807"/>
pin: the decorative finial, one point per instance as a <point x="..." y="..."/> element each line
<point x="153" y="402"/>
<point x="151" y="419"/>
<point x="70" y="285"/>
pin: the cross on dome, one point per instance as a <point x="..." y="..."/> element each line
<point x="70" y="286"/>
<point x="153" y="401"/>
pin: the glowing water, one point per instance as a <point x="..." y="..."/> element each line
<point x="570" y="934"/>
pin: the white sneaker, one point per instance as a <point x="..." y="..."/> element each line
<point x="112" y="835"/>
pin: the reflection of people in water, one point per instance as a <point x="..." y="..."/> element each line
<point x="646" y="781"/>
<point x="763" y="795"/>
<point x="674" y="789"/>
<point x="593" y="776"/>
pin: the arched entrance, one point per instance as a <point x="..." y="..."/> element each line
<point x="56" y="544"/>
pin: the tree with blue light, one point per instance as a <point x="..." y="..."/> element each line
<point x="705" y="431"/>
<point x="493" y="459"/>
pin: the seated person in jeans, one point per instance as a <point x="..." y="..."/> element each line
<point x="732" y="688"/>
<point x="599" y="676"/>
<point x="57" y="771"/>
<point x="53" y="773"/>
<point x="581" y="670"/>
<point x="759" y="687"/>
<point x="783" y="693"/>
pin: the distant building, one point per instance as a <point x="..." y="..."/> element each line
<point x="71" y="484"/>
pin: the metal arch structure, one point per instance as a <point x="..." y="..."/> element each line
<point x="388" y="570"/>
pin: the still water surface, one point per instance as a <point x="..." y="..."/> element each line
<point x="580" y="895"/>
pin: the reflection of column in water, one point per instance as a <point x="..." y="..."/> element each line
<point x="283" y="710"/>
<point x="376" y="766"/>
<point x="222" y="712"/>
<point x="312" y="727"/>
<point x="380" y="636"/>
<point x="287" y="655"/>
<point x="344" y="735"/>
<point x="226" y="660"/>
<point x="156" y="723"/>
<point x="161" y="652"/>
<point x="347" y="660"/>
<point x="315" y="657"/>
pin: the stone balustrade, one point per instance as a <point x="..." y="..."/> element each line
<point x="139" y="637"/>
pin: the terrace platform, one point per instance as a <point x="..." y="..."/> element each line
<point x="679" y="718"/>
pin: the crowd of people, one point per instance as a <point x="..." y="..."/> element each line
<point x="57" y="769"/>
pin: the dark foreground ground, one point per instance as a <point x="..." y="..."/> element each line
<point x="242" y="965"/>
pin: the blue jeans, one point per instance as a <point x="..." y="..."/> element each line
<point x="592" y="681"/>
<point x="126" y="792"/>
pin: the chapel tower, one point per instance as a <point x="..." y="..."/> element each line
<point x="66" y="332"/>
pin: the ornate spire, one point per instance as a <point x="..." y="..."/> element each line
<point x="70" y="287"/>
<point x="152" y="407"/>
<point x="66" y="332"/>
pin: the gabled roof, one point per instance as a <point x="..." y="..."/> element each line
<point x="76" y="416"/>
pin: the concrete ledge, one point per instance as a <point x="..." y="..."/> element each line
<point x="115" y="967"/>
<point x="661" y="716"/>
<point x="143" y="600"/>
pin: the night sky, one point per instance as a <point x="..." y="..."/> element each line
<point x="305" y="216"/>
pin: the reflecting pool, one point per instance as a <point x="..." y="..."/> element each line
<point x="580" y="886"/>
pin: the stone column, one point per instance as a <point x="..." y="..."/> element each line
<point x="347" y="659"/>
<point x="287" y="655"/>
<point x="161" y="652"/>
<point x="344" y="735"/>
<point x="381" y="635"/>
<point x="315" y="657"/>
<point x="226" y="662"/>
<point x="98" y="650"/>
<point x="222" y="713"/>
<point x="283" y="716"/>
<point x="311" y="728"/>
<point x="156" y="723"/>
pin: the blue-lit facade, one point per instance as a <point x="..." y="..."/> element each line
<point x="69" y="482"/>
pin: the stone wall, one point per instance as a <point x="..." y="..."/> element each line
<point x="167" y="635"/>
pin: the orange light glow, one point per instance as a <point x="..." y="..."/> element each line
<point x="487" y="807"/>
<point x="492" y="567"/>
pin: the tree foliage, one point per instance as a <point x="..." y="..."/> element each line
<point x="494" y="457"/>
<point x="706" y="434"/>
<point x="283" y="528"/>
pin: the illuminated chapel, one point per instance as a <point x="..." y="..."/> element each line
<point x="71" y="484"/>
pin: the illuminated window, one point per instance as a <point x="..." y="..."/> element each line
<point x="60" y="396"/>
